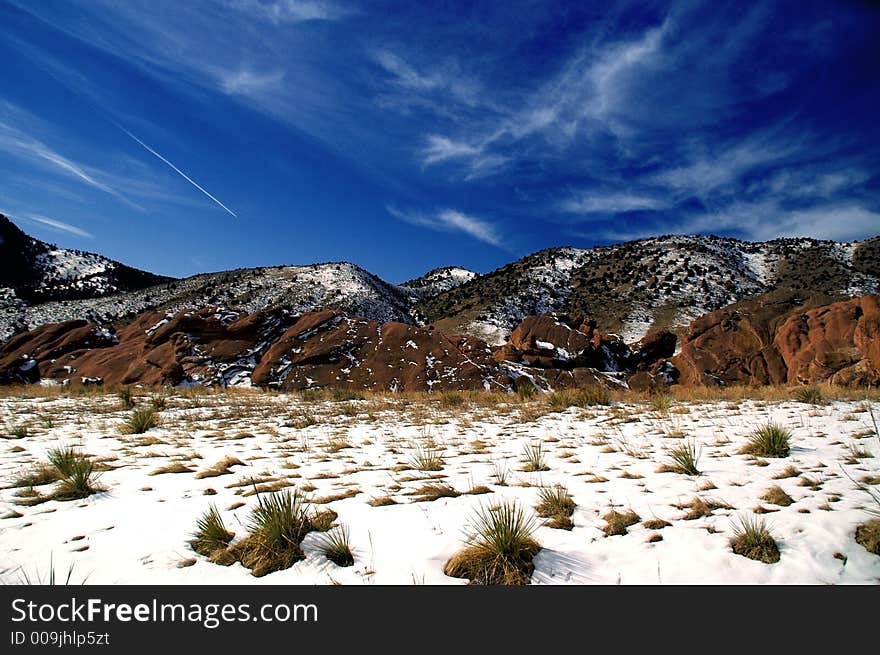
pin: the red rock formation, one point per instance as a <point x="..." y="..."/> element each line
<point x="778" y="338"/>
<point x="838" y="342"/>
<point x="23" y="357"/>
<point x="270" y="347"/>
<point x="327" y="349"/>
<point x="783" y="338"/>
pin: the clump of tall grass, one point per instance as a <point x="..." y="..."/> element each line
<point x="526" y="390"/>
<point x="592" y="396"/>
<point x="64" y="458"/>
<point x="533" y="457"/>
<point x="868" y="536"/>
<point x="771" y="440"/>
<point x="276" y="526"/>
<point x="660" y="402"/>
<point x="753" y="539"/>
<point x="141" y="420"/>
<point x="556" y="504"/>
<point x="810" y="395"/>
<point x="51" y="578"/>
<point x="560" y="399"/>
<point x="616" y="523"/>
<point x="19" y="432"/>
<point x="426" y="458"/>
<point x="500" y="546"/>
<point x="126" y="398"/>
<point x="683" y="458"/>
<point x="451" y="399"/>
<point x="335" y="545"/>
<point x="211" y="534"/>
<point x="343" y="395"/>
<point x="77" y="477"/>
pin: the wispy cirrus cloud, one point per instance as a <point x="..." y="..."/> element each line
<point x="249" y="82"/>
<point x="598" y="202"/>
<point x="757" y="221"/>
<point x="645" y="117"/>
<point x="450" y="220"/>
<point x="17" y="143"/>
<point x="53" y="224"/>
<point x="292" y="11"/>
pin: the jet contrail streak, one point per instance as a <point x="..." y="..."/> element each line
<point x="177" y="170"/>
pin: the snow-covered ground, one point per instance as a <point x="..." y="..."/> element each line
<point x="607" y="457"/>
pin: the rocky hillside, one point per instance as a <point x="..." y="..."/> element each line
<point x="341" y="285"/>
<point x="655" y="284"/>
<point x="629" y="289"/>
<point x="33" y="272"/>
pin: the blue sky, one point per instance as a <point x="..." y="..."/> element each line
<point x="208" y="135"/>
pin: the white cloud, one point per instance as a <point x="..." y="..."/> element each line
<point x="590" y="203"/>
<point x="705" y="172"/>
<point x="58" y="226"/>
<point x="450" y="220"/>
<point x="402" y="73"/>
<point x="440" y="148"/>
<point x="586" y="89"/>
<point x="763" y="221"/>
<point x="839" y="222"/>
<point x="292" y="11"/>
<point x="809" y="182"/>
<point x="19" y="144"/>
<point x="247" y="82"/>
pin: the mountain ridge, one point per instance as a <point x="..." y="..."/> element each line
<point x="631" y="288"/>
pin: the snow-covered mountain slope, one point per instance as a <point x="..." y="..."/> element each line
<point x="439" y="280"/>
<point x="659" y="283"/>
<point x="32" y="271"/>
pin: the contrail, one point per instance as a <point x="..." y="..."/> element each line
<point x="177" y="170"/>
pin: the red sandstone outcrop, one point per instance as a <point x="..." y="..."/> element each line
<point x="783" y="338"/>
<point x="778" y="338"/>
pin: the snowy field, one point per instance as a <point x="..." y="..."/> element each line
<point x="357" y="457"/>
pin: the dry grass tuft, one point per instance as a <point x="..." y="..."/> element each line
<point x="770" y="440"/>
<point x="556" y="504"/>
<point x="499" y="548"/>
<point x="173" y="467"/>
<point x="336" y="546"/>
<point x="220" y="468"/>
<point x="616" y="523"/>
<point x="775" y="495"/>
<point x="382" y="501"/>
<point x="789" y="472"/>
<point x="700" y="507"/>
<point x="656" y="524"/>
<point x="140" y="421"/>
<point x="752" y="539"/>
<point x="868" y="535"/>
<point x="276" y="526"/>
<point x="533" y="457"/>
<point x="431" y="492"/>
<point x="211" y="534"/>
